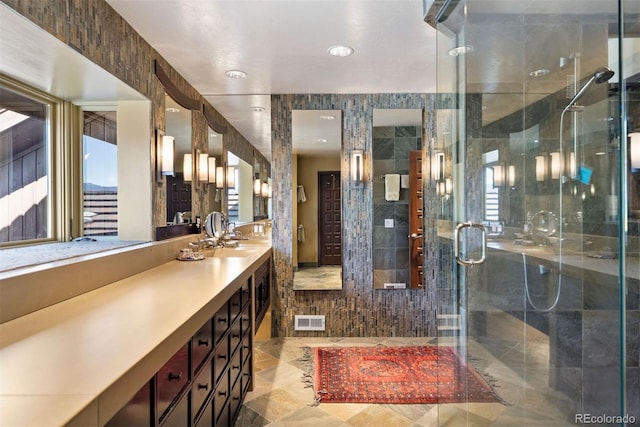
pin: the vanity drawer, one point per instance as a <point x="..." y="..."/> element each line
<point x="206" y="417"/>
<point x="235" y="304"/>
<point x="201" y="388"/>
<point x="221" y="323"/>
<point x="246" y="322"/>
<point x="236" y="400"/>
<point x="235" y="369"/>
<point x="171" y="379"/>
<point x="235" y="335"/>
<point x="246" y="348"/>
<point x="201" y="345"/>
<point x="221" y="358"/>
<point x="180" y="415"/>
<point x="220" y="401"/>
<point x="246" y="376"/>
<point x="246" y="294"/>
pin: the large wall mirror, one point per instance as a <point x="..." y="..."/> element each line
<point x="317" y="144"/>
<point x="178" y="126"/>
<point x="397" y="220"/>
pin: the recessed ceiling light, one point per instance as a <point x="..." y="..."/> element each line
<point x="256" y="109"/>
<point x="340" y="50"/>
<point x="460" y="50"/>
<point x="600" y="153"/>
<point x="328" y="117"/>
<point x="539" y="73"/>
<point x="321" y="140"/>
<point x="173" y="110"/>
<point x="235" y="74"/>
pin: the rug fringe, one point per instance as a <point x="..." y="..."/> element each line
<point x="307" y="375"/>
<point x="477" y="366"/>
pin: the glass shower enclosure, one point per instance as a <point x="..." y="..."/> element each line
<point x="535" y="169"/>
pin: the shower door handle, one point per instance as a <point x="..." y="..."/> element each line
<point x="456" y="243"/>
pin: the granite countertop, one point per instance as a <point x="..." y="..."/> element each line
<point x="79" y="361"/>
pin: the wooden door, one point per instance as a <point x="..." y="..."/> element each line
<point x="416" y="220"/>
<point x="329" y="219"/>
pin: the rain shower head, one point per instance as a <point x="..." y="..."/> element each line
<point x="601" y="75"/>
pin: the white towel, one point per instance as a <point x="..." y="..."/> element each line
<point x="301" y="236"/>
<point x="392" y="187"/>
<point x="404" y="181"/>
<point x="301" y="196"/>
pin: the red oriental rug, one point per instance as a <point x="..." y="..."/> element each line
<point x="424" y="374"/>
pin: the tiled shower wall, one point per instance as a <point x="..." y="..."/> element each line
<point x="391" y="147"/>
<point x="93" y="29"/>
<point x="358" y="309"/>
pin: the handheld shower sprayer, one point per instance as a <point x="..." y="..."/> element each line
<point x="601" y="75"/>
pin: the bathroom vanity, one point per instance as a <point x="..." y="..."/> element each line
<point x="168" y="346"/>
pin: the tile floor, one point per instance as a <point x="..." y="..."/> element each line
<point x="280" y="398"/>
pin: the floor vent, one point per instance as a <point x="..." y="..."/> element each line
<point x="309" y="323"/>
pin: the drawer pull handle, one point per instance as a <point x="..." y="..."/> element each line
<point x="235" y="398"/>
<point x="202" y="342"/>
<point x="235" y="304"/>
<point x="236" y="367"/>
<point x="222" y="356"/>
<point x="235" y="335"/>
<point x="175" y="377"/>
<point x="203" y="386"/>
<point x="222" y="320"/>
<point x="222" y="393"/>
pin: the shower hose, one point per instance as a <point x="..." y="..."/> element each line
<point x="526" y="288"/>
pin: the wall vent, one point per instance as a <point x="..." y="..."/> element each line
<point x="448" y="322"/>
<point x="309" y="323"/>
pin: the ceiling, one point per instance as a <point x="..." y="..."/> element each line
<point x="282" y="47"/>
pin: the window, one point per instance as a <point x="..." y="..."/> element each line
<point x="100" y="174"/>
<point x="25" y="167"/>
<point x="491" y="191"/>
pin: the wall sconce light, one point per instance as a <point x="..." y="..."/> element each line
<point x="541" y="166"/>
<point x="437" y="166"/>
<point x="257" y="187"/>
<point x="511" y="175"/>
<point x="231" y="176"/>
<point x="168" y="153"/>
<point x="265" y="190"/>
<point x="357" y="165"/>
<point x="212" y="170"/>
<point x="556" y="165"/>
<point x="498" y="175"/>
<point x="448" y="187"/>
<point x="634" y="150"/>
<point x="187" y="167"/>
<point x="219" y="177"/>
<point x="203" y="167"/>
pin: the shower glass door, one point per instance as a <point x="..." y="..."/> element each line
<point x="537" y="193"/>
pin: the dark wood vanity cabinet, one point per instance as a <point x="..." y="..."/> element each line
<point x="205" y="382"/>
<point x="262" y="291"/>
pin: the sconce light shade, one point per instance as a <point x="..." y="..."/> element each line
<point x="437" y="166"/>
<point x="203" y="167"/>
<point x="168" y="153"/>
<point x="212" y="170"/>
<point x="265" y="190"/>
<point x="511" y="175"/>
<point x="541" y="166"/>
<point x="573" y="170"/>
<point x="498" y="176"/>
<point x="556" y="165"/>
<point x="357" y="165"/>
<point x="257" y="187"/>
<point x="187" y="167"/>
<point x="219" y="177"/>
<point x="634" y="150"/>
<point x="231" y="176"/>
<point x="448" y="186"/>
